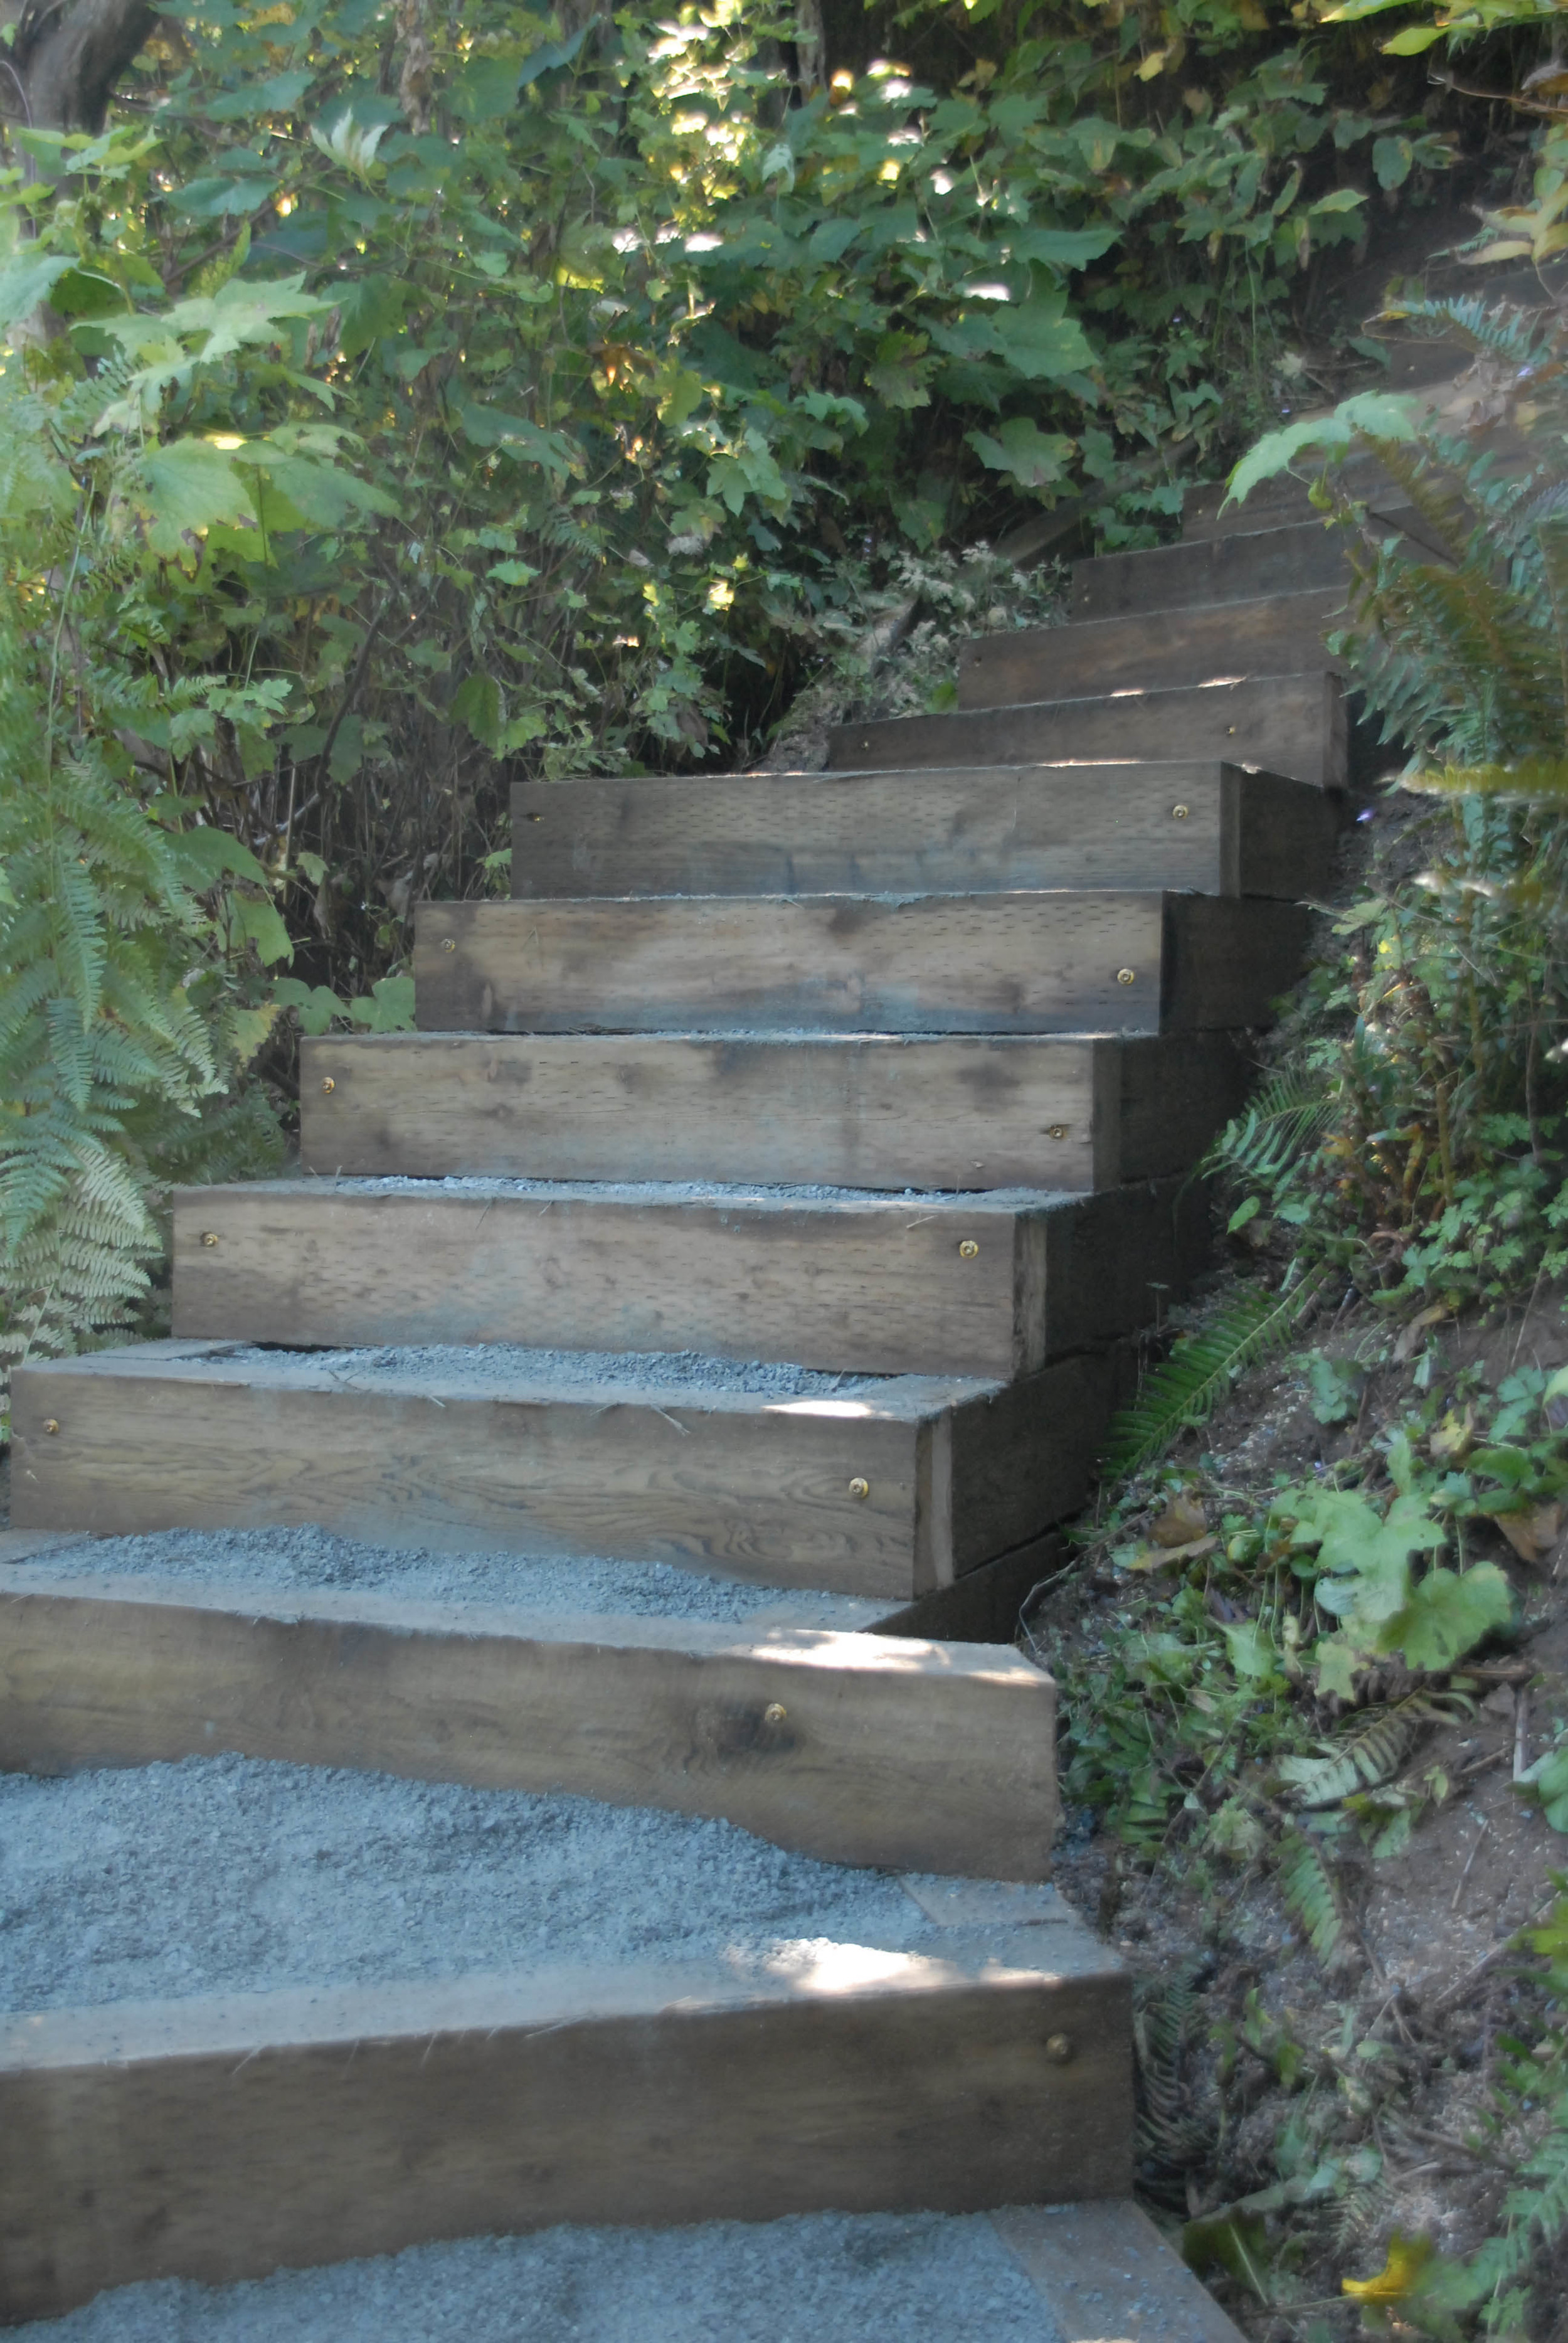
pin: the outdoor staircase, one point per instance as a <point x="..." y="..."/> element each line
<point x="895" y="1072"/>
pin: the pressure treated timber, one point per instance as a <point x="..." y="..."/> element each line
<point x="218" y="2139"/>
<point x="862" y="1112"/>
<point x="1290" y="724"/>
<point x="885" y="1491"/>
<point x="1275" y="634"/>
<point x="1040" y="963"/>
<point x="1104" y="2269"/>
<point x="1211" y="826"/>
<point x="973" y="1285"/>
<point x="852" y="1747"/>
<point x="1240" y="566"/>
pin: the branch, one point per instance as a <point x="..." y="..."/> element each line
<point x="70" y="55"/>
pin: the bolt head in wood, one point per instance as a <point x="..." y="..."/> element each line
<point x="448" y="944"/>
<point x="1057" y="1130"/>
<point x="1180" y="813"/>
<point x="209" y="1236"/>
<point x="1126" y="976"/>
<point x="1059" y="2048"/>
<point x="774" y="1713"/>
<point x="967" y="1250"/>
<point x="50" y="1424"/>
<point x="329" y="1084"/>
<point x="858" y="1488"/>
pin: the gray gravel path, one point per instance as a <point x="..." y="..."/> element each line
<point x="229" y="1874"/>
<point x="505" y="1362"/>
<point x="826" y="2277"/>
<point x="305" y="1558"/>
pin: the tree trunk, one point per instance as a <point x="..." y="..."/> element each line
<point x="68" y="59"/>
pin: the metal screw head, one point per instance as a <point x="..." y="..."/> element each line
<point x="209" y="1236"/>
<point x="50" y="1424"/>
<point x="1057" y="1130"/>
<point x="858" y="1488"/>
<point x="1230" y="731"/>
<point x="967" y="1250"/>
<point x="773" y="1714"/>
<point x="1180" y="813"/>
<point x="329" y="1084"/>
<point x="1126" y="976"/>
<point x="447" y="944"/>
<point x="1059" y="2048"/>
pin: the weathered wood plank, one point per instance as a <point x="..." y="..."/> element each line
<point x="854" y="1748"/>
<point x="219" y="2140"/>
<point x="874" y="1284"/>
<point x="1105" y="2269"/>
<point x="856" y="1112"/>
<point x="977" y="829"/>
<point x="851" y="1493"/>
<point x="1275" y="635"/>
<point x="1049" y="962"/>
<point x="1240" y="566"/>
<point x="1288" y="724"/>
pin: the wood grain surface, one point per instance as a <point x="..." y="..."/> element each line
<point x="878" y="1285"/>
<point x="1290" y="724"/>
<point x="858" y="1494"/>
<point x="1177" y="826"/>
<point x="1057" y="962"/>
<point x="858" y="1112"/>
<point x="1241" y="566"/>
<point x="855" y="1748"/>
<point x="219" y="2140"/>
<point x="1277" y="634"/>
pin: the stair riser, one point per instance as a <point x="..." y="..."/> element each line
<point x="1238" y="566"/>
<point x="877" y="1289"/>
<point x="1034" y="963"/>
<point x="1210" y="827"/>
<point x="1288" y="724"/>
<point x="161" y="2141"/>
<point x="854" y="1748"/>
<point x="770" y="1493"/>
<point x="1161" y="650"/>
<point x="854" y="1113"/>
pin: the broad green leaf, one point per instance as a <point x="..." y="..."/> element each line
<point x="1252" y="1648"/>
<point x="1448" y="1614"/>
<point x="1063" y="247"/>
<point x="27" y="282"/>
<point x="1413" y="41"/>
<point x="189" y="486"/>
<point x="204" y="856"/>
<point x="252" y="918"/>
<point x="477" y="702"/>
<point x="901" y="370"/>
<point x="388" y="1008"/>
<point x="1378" y="414"/>
<point x="1041" y="341"/>
<point x="316" y="1005"/>
<point x="1033" y="458"/>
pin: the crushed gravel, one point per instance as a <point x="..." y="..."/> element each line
<point x="311" y="1558"/>
<point x="223" y="1875"/>
<point x="512" y="1362"/>
<point x="672" y="1191"/>
<point x="823" y="2277"/>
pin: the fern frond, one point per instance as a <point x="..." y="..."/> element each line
<point x="1370" y="1753"/>
<point x="1285" y="1119"/>
<point x="1307" y="1891"/>
<point x="1186" y="1388"/>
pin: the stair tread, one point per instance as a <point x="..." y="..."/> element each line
<point x="795" y="1721"/>
<point x="513" y="1372"/>
<point x="933" y="829"/>
<point x="1019" y="961"/>
<point x="1204" y="643"/>
<point x="1290" y="721"/>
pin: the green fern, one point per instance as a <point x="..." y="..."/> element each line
<point x="1185" y="1389"/>
<point x="1307" y="1890"/>
<point x="1371" y="1754"/>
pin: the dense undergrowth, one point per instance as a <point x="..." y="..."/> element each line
<point x="1282" y="1656"/>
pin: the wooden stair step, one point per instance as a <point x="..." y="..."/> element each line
<point x="1239" y="566"/>
<point x="845" y="1111"/>
<point x="988" y="1284"/>
<point x="887" y="1489"/>
<point x="1208" y="826"/>
<point x="853" y="1747"/>
<point x="1036" y="962"/>
<point x="222" y="2137"/>
<point x="1292" y="724"/>
<point x="1273" y="634"/>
